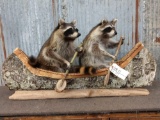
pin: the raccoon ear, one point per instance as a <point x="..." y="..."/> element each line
<point x="74" y="22"/>
<point x="104" y="22"/>
<point x="114" y="21"/>
<point x="61" y="22"/>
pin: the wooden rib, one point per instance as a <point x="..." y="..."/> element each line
<point x="57" y="75"/>
<point x="79" y="93"/>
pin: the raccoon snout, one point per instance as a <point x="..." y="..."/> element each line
<point x="115" y="33"/>
<point x="79" y="34"/>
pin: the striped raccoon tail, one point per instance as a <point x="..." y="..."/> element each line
<point x="33" y="61"/>
<point x="86" y="70"/>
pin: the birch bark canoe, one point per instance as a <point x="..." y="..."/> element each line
<point x="19" y="75"/>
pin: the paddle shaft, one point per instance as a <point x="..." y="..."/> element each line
<point x="67" y="71"/>
<point x="106" y="79"/>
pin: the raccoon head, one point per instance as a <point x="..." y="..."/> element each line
<point x="69" y="30"/>
<point x="107" y="28"/>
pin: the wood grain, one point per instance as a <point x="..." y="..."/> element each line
<point x="81" y="93"/>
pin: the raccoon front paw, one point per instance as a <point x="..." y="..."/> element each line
<point x="79" y="49"/>
<point x="68" y="65"/>
<point x="114" y="57"/>
<point x="122" y="40"/>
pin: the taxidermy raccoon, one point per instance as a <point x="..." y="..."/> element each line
<point x="58" y="50"/>
<point x="94" y="53"/>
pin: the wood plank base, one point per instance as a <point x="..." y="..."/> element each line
<point x="76" y="93"/>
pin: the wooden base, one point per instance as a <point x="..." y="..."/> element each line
<point x="78" y="93"/>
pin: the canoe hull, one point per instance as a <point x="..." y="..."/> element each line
<point x="17" y="76"/>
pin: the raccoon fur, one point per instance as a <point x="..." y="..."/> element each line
<point x="58" y="50"/>
<point x="96" y="43"/>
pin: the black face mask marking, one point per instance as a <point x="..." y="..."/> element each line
<point x="107" y="30"/>
<point x="68" y="32"/>
<point x="76" y="29"/>
<point x="79" y="34"/>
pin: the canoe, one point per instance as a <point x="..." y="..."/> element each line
<point x="18" y="74"/>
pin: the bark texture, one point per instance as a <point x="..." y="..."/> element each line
<point x="142" y="71"/>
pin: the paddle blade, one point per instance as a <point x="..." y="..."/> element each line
<point x="61" y="85"/>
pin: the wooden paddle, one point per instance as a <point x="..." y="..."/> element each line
<point x="106" y="79"/>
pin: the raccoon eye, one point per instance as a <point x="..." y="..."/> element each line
<point x="68" y="32"/>
<point x="108" y="29"/>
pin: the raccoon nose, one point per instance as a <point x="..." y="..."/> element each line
<point x="115" y="32"/>
<point x="79" y="34"/>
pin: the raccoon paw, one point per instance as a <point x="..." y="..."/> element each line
<point x="68" y="65"/>
<point x="113" y="57"/>
<point x="79" y="49"/>
<point x="123" y="38"/>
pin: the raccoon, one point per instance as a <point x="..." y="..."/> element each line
<point x="95" y="45"/>
<point x="58" y="50"/>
